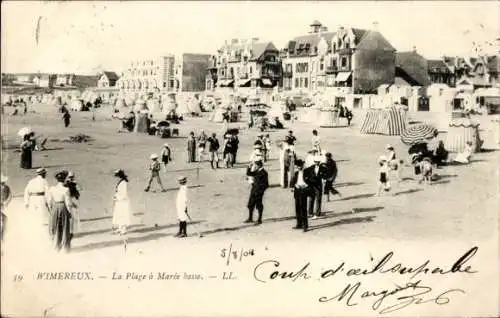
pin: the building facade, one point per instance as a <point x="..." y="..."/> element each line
<point x="190" y="72"/>
<point x="355" y="59"/>
<point x="107" y="79"/>
<point x="149" y="75"/>
<point x="244" y="63"/>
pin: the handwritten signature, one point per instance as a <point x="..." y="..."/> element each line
<point x="418" y="295"/>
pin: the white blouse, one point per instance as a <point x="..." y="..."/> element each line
<point x="121" y="191"/>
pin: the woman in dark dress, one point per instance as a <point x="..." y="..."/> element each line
<point x="27" y="152"/>
<point x="66" y="118"/>
<point x="440" y="155"/>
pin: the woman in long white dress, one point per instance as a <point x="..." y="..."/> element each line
<point x="122" y="213"/>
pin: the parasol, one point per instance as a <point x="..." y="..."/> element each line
<point x="24" y="131"/>
<point x="418" y="133"/>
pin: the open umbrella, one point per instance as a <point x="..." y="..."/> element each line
<point x="418" y="133"/>
<point x="24" y="131"/>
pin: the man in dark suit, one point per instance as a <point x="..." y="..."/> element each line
<point x="300" y="193"/>
<point x="314" y="176"/>
<point x="259" y="186"/>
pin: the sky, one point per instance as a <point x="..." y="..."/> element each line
<point x="85" y="37"/>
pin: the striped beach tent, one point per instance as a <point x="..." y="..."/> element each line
<point x="461" y="131"/>
<point x="390" y="121"/>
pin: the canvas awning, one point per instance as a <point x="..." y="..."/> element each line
<point x="266" y="81"/>
<point x="226" y="83"/>
<point x="244" y="82"/>
<point x="343" y="76"/>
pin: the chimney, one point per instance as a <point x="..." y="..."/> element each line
<point x="375" y="25"/>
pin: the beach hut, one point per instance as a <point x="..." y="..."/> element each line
<point x="488" y="99"/>
<point x="120" y="103"/>
<point x="461" y="131"/>
<point x="141" y="122"/>
<point x="153" y="105"/>
<point x="194" y="106"/>
<point x="440" y="98"/>
<point x="329" y="117"/>
<point x="391" y="121"/>
<point x="76" y="105"/>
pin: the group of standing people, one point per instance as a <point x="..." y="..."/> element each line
<point x="197" y="149"/>
<point x="53" y="210"/>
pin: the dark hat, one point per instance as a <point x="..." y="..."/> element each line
<point x="182" y="179"/>
<point x="328" y="154"/>
<point x="258" y="162"/>
<point x="41" y="171"/>
<point x="119" y="173"/>
<point x="299" y="162"/>
<point x="61" y="176"/>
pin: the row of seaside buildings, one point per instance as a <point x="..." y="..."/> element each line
<point x="355" y="61"/>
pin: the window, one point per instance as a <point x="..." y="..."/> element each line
<point x="305" y="82"/>
<point x="321" y="66"/>
<point x="347" y="45"/>
<point x="301" y="81"/>
<point x="171" y="83"/>
<point x="251" y="70"/>
<point x="296" y="83"/>
<point x="164" y="84"/>
<point x="344" y="62"/>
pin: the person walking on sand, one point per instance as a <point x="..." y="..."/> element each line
<point x="35" y="201"/>
<point x="122" y="212"/>
<point x="166" y="156"/>
<point x="260" y="184"/>
<point x="316" y="141"/>
<point x="154" y="168"/>
<point x="182" y="207"/>
<point x="191" y="147"/>
<point x="213" y="148"/>
<point x="202" y="142"/>
<point x="330" y="175"/>
<point x="314" y="176"/>
<point x="300" y="193"/>
<point x="27" y="152"/>
<point x="66" y="117"/>
<point x="383" y="176"/>
<point x="74" y="193"/>
<point x="60" y="205"/>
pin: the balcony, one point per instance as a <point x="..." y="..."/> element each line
<point x="345" y="51"/>
<point x="331" y="70"/>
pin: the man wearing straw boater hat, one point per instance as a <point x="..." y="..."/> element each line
<point x="154" y="168"/>
<point x="182" y="206"/>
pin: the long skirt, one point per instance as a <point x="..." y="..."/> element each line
<point x="26" y="159"/>
<point x="60" y="227"/>
<point x="122" y="214"/>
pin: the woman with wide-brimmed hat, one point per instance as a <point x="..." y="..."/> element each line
<point x="121" y="204"/>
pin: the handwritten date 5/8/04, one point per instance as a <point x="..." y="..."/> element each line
<point x="236" y="254"/>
